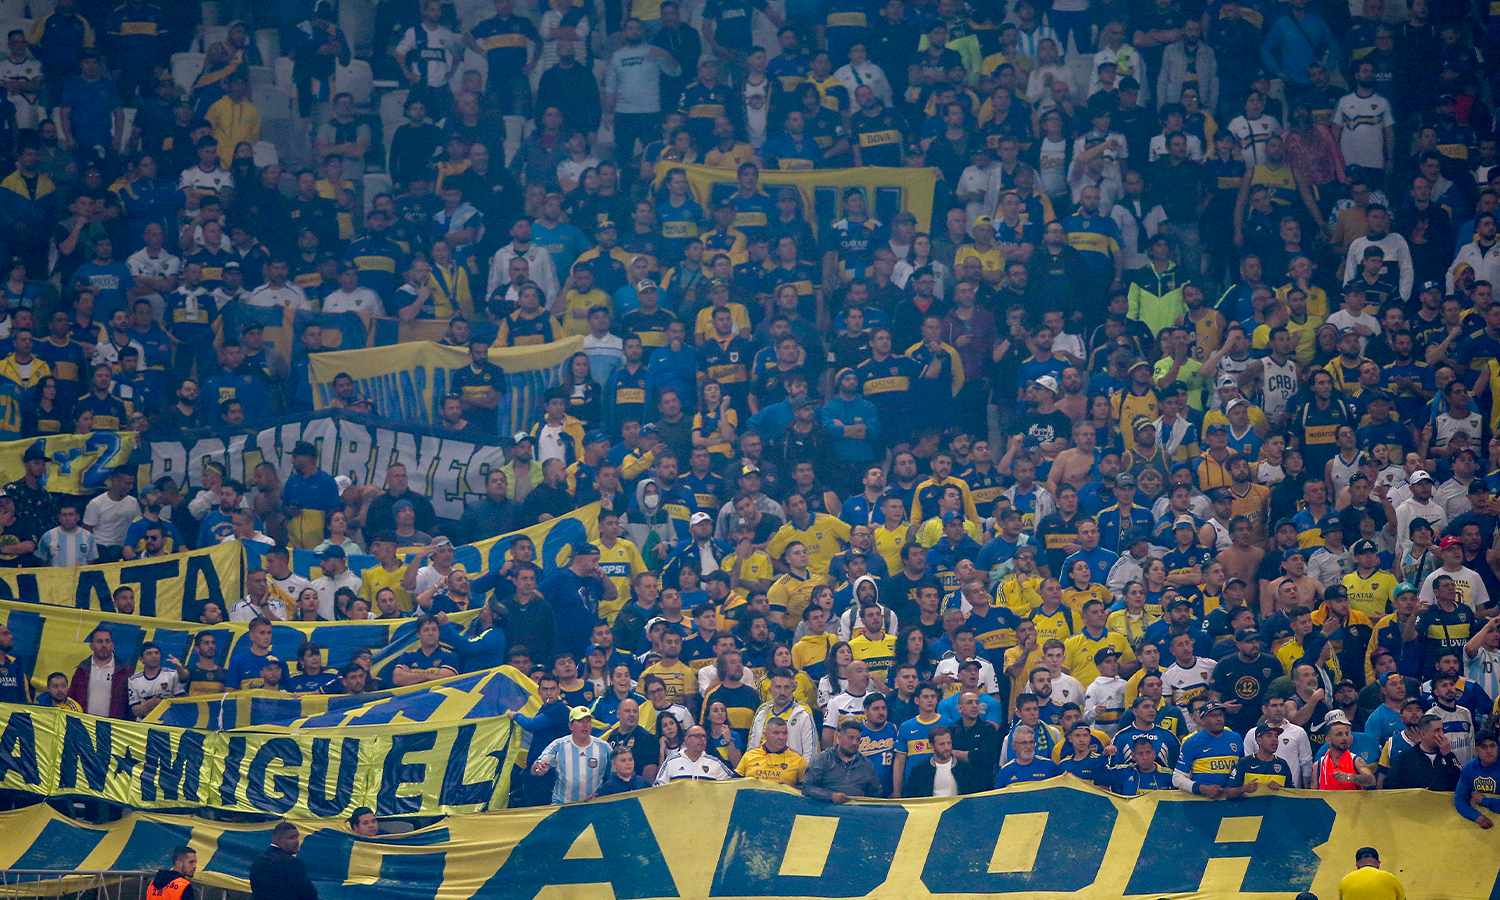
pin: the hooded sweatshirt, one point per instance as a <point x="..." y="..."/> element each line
<point x="648" y="527"/>
<point x="850" y="620"/>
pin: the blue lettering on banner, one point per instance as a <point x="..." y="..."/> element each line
<point x="630" y="861"/>
<point x="1283" y="856"/>
<point x="318" y="801"/>
<point x="18" y="749"/>
<point x="176" y="776"/>
<point x="398" y="772"/>
<point x="285" y="785"/>
<point x="91" y="752"/>
<point x="1068" y="857"/>
<point x="864" y="843"/>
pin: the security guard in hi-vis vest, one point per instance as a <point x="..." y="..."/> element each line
<point x="175" y="883"/>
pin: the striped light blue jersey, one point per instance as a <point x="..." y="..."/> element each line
<point x="59" y="548"/>
<point x="580" y="770"/>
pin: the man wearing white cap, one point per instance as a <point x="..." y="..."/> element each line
<point x="1420" y="505"/>
<point x="1227" y="389"/>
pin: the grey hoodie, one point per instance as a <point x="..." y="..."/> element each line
<point x="648" y="528"/>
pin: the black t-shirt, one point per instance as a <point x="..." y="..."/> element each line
<point x="642" y="743"/>
<point x="1047" y="427"/>
<point x="1247" y="682"/>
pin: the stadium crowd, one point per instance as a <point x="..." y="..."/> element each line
<point x="1162" y="457"/>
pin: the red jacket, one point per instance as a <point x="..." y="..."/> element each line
<point x="119" y="691"/>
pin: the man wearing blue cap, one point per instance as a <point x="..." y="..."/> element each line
<point x="575" y="591"/>
<point x="854" y="424"/>
<point x="309" y="496"/>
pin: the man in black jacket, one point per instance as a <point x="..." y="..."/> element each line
<point x="942" y="774"/>
<point x="278" y="874"/>
<point x="1430" y="765"/>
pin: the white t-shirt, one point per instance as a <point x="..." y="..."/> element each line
<point x="110" y="519"/>
<point x="1253" y="137"/>
<point x="359" y="300"/>
<point x="101" y="687"/>
<point x="943" y="783"/>
<point x="288" y="296"/>
<point x="163" y="685"/>
<point x="213" y="181"/>
<point x="1345" y="319"/>
<point x="1362" y="122"/>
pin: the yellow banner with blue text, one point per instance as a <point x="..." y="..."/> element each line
<point x="1059" y="838"/>
<point x="76" y="463"/>
<point x="164" y="586"/>
<point x="396" y="769"/>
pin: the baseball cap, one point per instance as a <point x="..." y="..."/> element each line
<point x="1448" y="541"/>
<point x="578" y="714"/>
<point x="1048" y="382"/>
<point x="1419" y="475"/>
<point x="699" y="517"/>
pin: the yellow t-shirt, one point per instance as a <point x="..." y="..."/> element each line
<point x="786" y="767"/>
<point x="680" y="679"/>
<point x="582" y="303"/>
<point x="790" y="595"/>
<point x="822" y="538"/>
<point x="1081" y="649"/>
<point x="375" y="578"/>
<point x="620" y="563"/>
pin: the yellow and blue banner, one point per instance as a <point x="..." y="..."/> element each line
<point x="164" y="586"/>
<point x="51" y="639"/>
<point x="887" y="190"/>
<point x="396" y="769"/>
<point x="746" y="839"/>
<point x="407" y="382"/>
<point x="462" y="698"/>
<point x="76" y="463"/>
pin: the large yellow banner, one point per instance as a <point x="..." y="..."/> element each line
<point x="407" y="381"/>
<point x="396" y="769"/>
<point x="51" y="639"/>
<point x="888" y="191"/>
<point x="164" y="586"/>
<point x="76" y="463"/>
<point x="1055" y="839"/>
